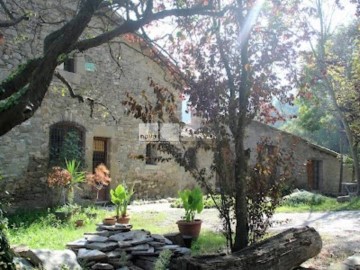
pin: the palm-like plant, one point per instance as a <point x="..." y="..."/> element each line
<point x="120" y="196"/>
<point x="77" y="177"/>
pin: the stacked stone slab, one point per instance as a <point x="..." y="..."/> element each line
<point x="119" y="247"/>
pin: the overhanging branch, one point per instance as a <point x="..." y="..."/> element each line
<point x="91" y="101"/>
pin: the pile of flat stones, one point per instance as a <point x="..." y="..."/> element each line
<point x="118" y="247"/>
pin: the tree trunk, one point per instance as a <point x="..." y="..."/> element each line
<point x="281" y="252"/>
<point x="242" y="228"/>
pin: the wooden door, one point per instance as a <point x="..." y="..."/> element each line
<point x="100" y="156"/>
<point x="314" y="174"/>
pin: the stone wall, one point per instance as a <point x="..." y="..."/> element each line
<point x="302" y="152"/>
<point x="24" y="151"/>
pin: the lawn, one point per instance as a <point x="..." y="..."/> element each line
<point x="304" y="201"/>
<point x="42" y="230"/>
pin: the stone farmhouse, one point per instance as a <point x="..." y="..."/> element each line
<point x="107" y="135"/>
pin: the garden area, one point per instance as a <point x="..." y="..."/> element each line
<point x="42" y="229"/>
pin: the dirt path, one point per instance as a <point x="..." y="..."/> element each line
<point x="340" y="231"/>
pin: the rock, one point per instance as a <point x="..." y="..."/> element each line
<point x="117" y="263"/>
<point x="54" y="259"/>
<point x="159" y="238"/>
<point x="114" y="254"/>
<point x="124" y="244"/>
<point x="102" y="266"/>
<point x="130" y="235"/>
<point x="123" y="226"/>
<point x="338" y="266"/>
<point x="91" y="255"/>
<point x="156" y="244"/>
<point x="342" y="199"/>
<point x="22" y="263"/>
<point x="145" y="264"/>
<point x="142" y="240"/>
<point x="134" y="267"/>
<point x="100" y="233"/>
<point x="108" y="246"/>
<point x="139" y="247"/>
<point x="28" y="254"/>
<point x="116" y="227"/>
<point x="171" y="247"/>
<point x="174" y="238"/>
<point x="96" y="238"/>
<point x="183" y="251"/>
<point x="81" y="243"/>
<point x="149" y="252"/>
<point x="352" y="262"/>
<point x="119" y="237"/>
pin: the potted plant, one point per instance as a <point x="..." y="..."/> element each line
<point x="192" y="200"/>
<point x="65" y="212"/>
<point x="120" y="196"/>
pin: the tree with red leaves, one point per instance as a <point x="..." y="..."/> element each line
<point x="235" y="67"/>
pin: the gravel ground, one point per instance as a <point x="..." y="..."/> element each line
<point x="340" y="231"/>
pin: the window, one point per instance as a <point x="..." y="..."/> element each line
<point x="66" y="143"/>
<point x="69" y="65"/>
<point x="89" y="64"/>
<point x="151" y="154"/>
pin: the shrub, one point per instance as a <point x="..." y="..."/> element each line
<point x="302" y="197"/>
<point x="207" y="201"/>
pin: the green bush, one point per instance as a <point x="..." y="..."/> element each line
<point x="303" y="197"/>
<point x="207" y="201"/>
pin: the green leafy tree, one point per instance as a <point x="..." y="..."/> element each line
<point x="6" y="255"/>
<point x="71" y="149"/>
<point x="330" y="64"/>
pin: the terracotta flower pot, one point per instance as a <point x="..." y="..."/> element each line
<point x="190" y="228"/>
<point x="79" y="223"/>
<point x="109" y="221"/>
<point x="123" y="220"/>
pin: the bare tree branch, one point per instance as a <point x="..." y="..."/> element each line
<point x="91" y="101"/>
<point x="13" y="22"/>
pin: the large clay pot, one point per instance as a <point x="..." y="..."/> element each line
<point x="123" y="220"/>
<point x="190" y="228"/>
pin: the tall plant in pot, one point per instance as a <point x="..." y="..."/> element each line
<point x="192" y="202"/>
<point x="121" y="196"/>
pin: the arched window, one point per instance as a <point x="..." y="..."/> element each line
<point x="67" y="142"/>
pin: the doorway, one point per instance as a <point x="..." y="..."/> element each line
<point x="314" y="170"/>
<point x="100" y="156"/>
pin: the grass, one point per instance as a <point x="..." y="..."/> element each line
<point x="304" y="201"/>
<point x="209" y="243"/>
<point x="41" y="229"/>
